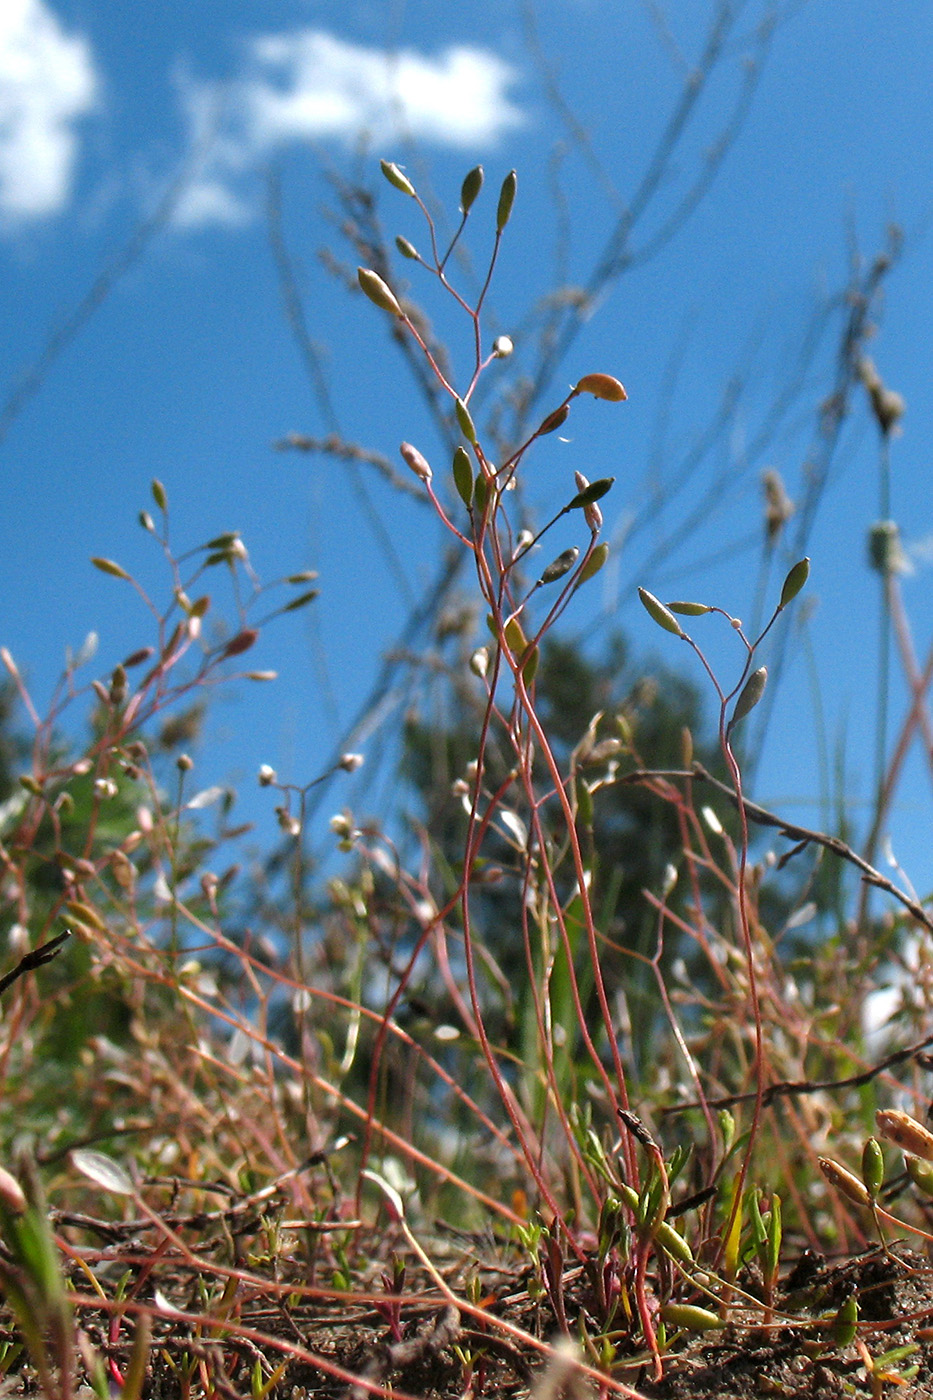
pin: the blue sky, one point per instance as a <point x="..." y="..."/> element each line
<point x="187" y="370"/>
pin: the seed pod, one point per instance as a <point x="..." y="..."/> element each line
<point x="690" y="609"/>
<point x="241" y="642"/>
<point x="480" y="492"/>
<point x="301" y="601"/>
<point x="560" y="566"/>
<point x="752" y="692"/>
<point x="690" y="1317"/>
<point x="466" y="422"/>
<point x="395" y="177"/>
<point x="905" y="1132"/>
<point x="920" y="1173"/>
<point x="407" y="250"/>
<point x="844" y="1181"/>
<point x="469" y="190"/>
<point x="463" y="476"/>
<point x="795" y="581"/>
<point x="413" y="459"/>
<point x="601" y="386"/>
<point x="554" y="420"/>
<point x="593" y="565"/>
<point x="378" y="292"/>
<point x="844" y="1323"/>
<point x="593" y="491"/>
<point x="873" y="1167"/>
<point x="662" y="616"/>
<point x="506" y="200"/>
<point x="673" y="1243"/>
<point x="107" y="566"/>
<point x="158" y="494"/>
<point x="146" y="521"/>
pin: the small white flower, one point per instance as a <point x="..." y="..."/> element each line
<point x="105" y="788"/>
<point x="267" y="775"/>
<point x="350" y="762"/>
<point x="502" y="347"/>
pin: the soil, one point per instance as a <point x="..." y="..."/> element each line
<point x="430" y="1356"/>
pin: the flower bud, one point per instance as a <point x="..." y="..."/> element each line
<point x="413" y="459"/>
<point x="502" y="347"/>
<point x="267" y="775"/>
<point x="350" y="762"/>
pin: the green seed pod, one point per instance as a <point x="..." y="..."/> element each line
<point x="752" y="692"/>
<point x="690" y="1317"/>
<point x="407" y="250"/>
<point x="530" y="666"/>
<point x="158" y="494"/>
<point x="302" y="600"/>
<point x="873" y="1167"/>
<point x="515" y="637"/>
<point x="378" y="292"/>
<point x="593" y="491"/>
<point x="844" y="1323"/>
<point x="480" y="492"/>
<point x="920" y="1173"/>
<point x="690" y="609"/>
<point x="107" y="566"/>
<point x="584" y="805"/>
<point x="506" y="200"/>
<point x="795" y="581"/>
<point x="662" y="616"/>
<point x="146" y="521"/>
<point x="593" y="565"/>
<point x="470" y="188"/>
<point x="560" y="566"/>
<point x="673" y="1243"/>
<point x="463" y="476"/>
<point x="395" y="177"/>
<point x="554" y="420"/>
<point x="630" y="1197"/>
<point x="601" y="386"/>
<point x="466" y="422"/>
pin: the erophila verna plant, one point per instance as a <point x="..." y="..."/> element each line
<point x="555" y="877"/>
<point x="304" y="1078"/>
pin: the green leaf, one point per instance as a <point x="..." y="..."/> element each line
<point x="506" y="200"/>
<point x="795" y="581"/>
<point x="661" y="615"/>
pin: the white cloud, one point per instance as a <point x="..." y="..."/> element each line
<point x="47" y="83"/>
<point x="308" y="85"/>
